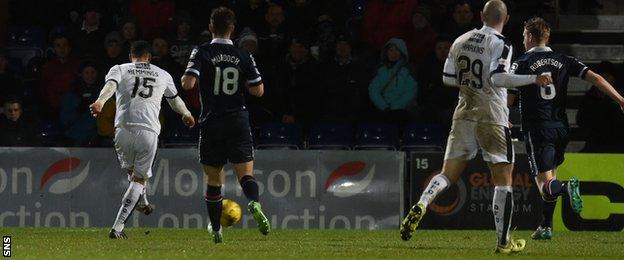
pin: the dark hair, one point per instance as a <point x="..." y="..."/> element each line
<point x="221" y="18"/>
<point x="11" y="100"/>
<point x="538" y="28"/>
<point x="140" y="48"/>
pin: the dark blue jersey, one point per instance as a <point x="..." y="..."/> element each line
<point x="546" y="106"/>
<point x="224" y="72"/>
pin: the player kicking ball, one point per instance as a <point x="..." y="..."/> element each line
<point x="139" y="88"/>
<point x="478" y="64"/>
<point x="544" y="120"/>
<point x="225" y="74"/>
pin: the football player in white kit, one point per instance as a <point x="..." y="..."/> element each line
<point x="139" y="88"/>
<point x="478" y="64"/>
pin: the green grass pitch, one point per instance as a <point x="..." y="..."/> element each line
<point x="73" y="243"/>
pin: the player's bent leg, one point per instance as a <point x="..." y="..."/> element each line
<point x="248" y="183"/>
<point x="502" y="205"/>
<point x="128" y="204"/>
<point x="544" y="230"/>
<point x="451" y="171"/>
<point x="214" y="200"/>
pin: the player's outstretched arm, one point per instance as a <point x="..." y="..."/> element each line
<point x="188" y="82"/>
<point x="107" y="92"/>
<point x="605" y="87"/>
<point x="508" y="80"/>
<point x="257" y="91"/>
<point x="179" y="107"/>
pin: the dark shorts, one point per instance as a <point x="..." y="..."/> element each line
<point x="546" y="148"/>
<point x="226" y="138"/>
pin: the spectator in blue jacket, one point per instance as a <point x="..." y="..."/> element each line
<point x="394" y="88"/>
<point x="78" y="124"/>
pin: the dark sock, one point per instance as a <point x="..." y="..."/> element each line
<point x="214" y="202"/>
<point x="547" y="212"/>
<point x="552" y="189"/>
<point x="250" y="188"/>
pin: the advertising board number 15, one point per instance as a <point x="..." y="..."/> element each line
<point x="422" y="163"/>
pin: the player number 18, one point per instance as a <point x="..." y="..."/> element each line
<point x="548" y="92"/>
<point x="230" y="81"/>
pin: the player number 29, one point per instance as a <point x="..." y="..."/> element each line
<point x="230" y="80"/>
<point x="470" y="73"/>
<point x="548" y="92"/>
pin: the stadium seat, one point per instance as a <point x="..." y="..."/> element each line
<point x="330" y="137"/>
<point x="372" y="136"/>
<point x="423" y="137"/>
<point x="279" y="136"/>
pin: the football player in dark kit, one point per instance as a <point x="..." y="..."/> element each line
<point x="544" y="121"/>
<point x="224" y="74"/>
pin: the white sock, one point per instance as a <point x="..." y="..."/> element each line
<point x="437" y="184"/>
<point x="127" y="205"/>
<point x="502" y="205"/>
<point x="143" y="198"/>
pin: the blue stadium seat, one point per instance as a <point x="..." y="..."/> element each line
<point x="330" y="137"/>
<point x="423" y="137"/>
<point x="373" y="136"/>
<point x="279" y="136"/>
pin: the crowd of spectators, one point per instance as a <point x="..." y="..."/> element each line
<point x="347" y="61"/>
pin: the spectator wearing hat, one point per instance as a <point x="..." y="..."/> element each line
<point x="112" y="52"/>
<point x="57" y="75"/>
<point x="394" y="88"/>
<point x="181" y="44"/>
<point x="599" y="118"/>
<point x="153" y="16"/>
<point x="436" y="101"/>
<point x="88" y="38"/>
<point x="248" y="41"/>
<point x="344" y="85"/>
<point x="79" y="126"/>
<point x="300" y="80"/>
<point x="15" y="130"/>
<point x="421" y="38"/>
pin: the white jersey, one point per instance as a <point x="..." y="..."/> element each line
<point x="140" y="89"/>
<point x="474" y="57"/>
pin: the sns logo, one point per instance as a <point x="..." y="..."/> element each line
<point x="65" y="166"/>
<point x="340" y="184"/>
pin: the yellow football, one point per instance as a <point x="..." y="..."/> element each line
<point x="231" y="213"/>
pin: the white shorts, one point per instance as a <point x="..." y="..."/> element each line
<point x="466" y="137"/>
<point x="136" y="150"/>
